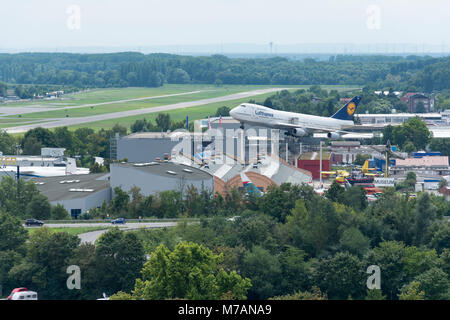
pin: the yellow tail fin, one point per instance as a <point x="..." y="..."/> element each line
<point x="365" y="167"/>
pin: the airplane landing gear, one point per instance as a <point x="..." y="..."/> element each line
<point x="242" y="126"/>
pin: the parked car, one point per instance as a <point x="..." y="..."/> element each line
<point x="16" y="290"/>
<point x="119" y="221"/>
<point x="33" y="222"/>
<point x="24" y="295"/>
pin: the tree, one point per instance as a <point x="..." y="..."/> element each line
<point x="425" y="215"/>
<point x="265" y="271"/>
<point x="120" y="255"/>
<point x="44" y="266"/>
<point x="412" y="292"/>
<point x="354" y="197"/>
<point x="188" y="272"/>
<point x="353" y="241"/>
<point x="32" y="146"/>
<point x="223" y="111"/>
<point x="16" y="195"/>
<point x="7" y="143"/>
<point x="335" y="191"/>
<point x="84" y="257"/>
<point x="435" y="283"/>
<point x="414" y="131"/>
<point x="314" y="294"/>
<point x="58" y="212"/>
<point x="43" y="136"/>
<point x="178" y="75"/>
<point x="12" y="234"/>
<point x="440" y="239"/>
<point x="119" y="204"/>
<point x="295" y="271"/>
<point x="375" y="294"/>
<point x="163" y="121"/>
<point x="39" y="207"/>
<point x="389" y="256"/>
<point x="341" y="276"/>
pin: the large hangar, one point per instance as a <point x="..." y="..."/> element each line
<point x="77" y="193"/>
<point x="154" y="177"/>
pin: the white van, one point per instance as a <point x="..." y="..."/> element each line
<point x="25" y="295"/>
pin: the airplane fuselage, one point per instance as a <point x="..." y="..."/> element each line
<point x="257" y="115"/>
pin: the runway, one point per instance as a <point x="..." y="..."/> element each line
<point x="53" y="123"/>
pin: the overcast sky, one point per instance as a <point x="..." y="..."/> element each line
<point x="140" y="23"/>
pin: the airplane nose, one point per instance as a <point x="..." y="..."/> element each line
<point x="232" y="113"/>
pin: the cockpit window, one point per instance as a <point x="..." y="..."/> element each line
<point x="242" y="105"/>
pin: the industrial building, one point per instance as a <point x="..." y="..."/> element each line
<point x="413" y="99"/>
<point x="154" y="177"/>
<point x="310" y="161"/>
<point x="264" y="170"/>
<point x="426" y="165"/>
<point x="396" y="118"/>
<point x="144" y="146"/>
<point x="77" y="193"/>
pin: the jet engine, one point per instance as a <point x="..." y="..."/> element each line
<point x="299" y="132"/>
<point x="334" y="135"/>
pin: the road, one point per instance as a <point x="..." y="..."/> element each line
<point x="11" y="111"/>
<point x="80" y="120"/>
<point x="91" y="236"/>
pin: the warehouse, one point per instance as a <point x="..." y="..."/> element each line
<point x="77" y="193"/>
<point x="310" y="161"/>
<point x="265" y="170"/>
<point x="154" y="177"/>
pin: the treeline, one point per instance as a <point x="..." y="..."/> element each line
<point x="290" y="243"/>
<point x="321" y="102"/>
<point x="152" y="70"/>
<point x="23" y="200"/>
<point x="86" y="143"/>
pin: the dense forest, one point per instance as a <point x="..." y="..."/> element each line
<point x="291" y="243"/>
<point x="135" y="69"/>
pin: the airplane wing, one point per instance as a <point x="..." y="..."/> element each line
<point x="282" y="125"/>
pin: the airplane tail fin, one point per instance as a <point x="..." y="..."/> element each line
<point x="365" y="167"/>
<point x="347" y="112"/>
<point x="249" y="186"/>
<point x="71" y="166"/>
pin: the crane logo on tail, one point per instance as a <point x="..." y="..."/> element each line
<point x="351" y="108"/>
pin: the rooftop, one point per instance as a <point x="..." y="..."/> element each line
<point x="426" y="161"/>
<point x="167" y="169"/>
<point x="228" y="167"/>
<point x="71" y="186"/>
<point x="314" y="156"/>
<point x="175" y="135"/>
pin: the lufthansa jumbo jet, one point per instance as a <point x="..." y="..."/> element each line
<point x="297" y="124"/>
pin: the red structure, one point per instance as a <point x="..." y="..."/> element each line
<point x="310" y="161"/>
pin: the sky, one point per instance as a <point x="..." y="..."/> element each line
<point x="148" y="23"/>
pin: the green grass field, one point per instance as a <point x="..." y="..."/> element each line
<point x="194" y="113"/>
<point x="73" y="231"/>
<point x="110" y="97"/>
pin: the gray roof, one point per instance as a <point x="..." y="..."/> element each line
<point x="168" y="169"/>
<point x="282" y="173"/>
<point x="71" y="186"/>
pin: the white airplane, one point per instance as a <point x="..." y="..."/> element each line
<point x="297" y="124"/>
<point x="41" y="172"/>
